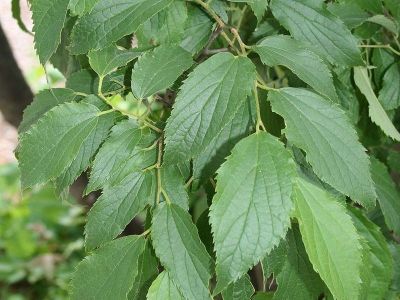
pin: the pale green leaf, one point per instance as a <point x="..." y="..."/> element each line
<point x="323" y="130"/>
<point x="297" y="279"/>
<point x="117" y="206"/>
<point x="206" y="103"/>
<point x="104" y="61"/>
<point x="376" y="111"/>
<point x="157" y="70"/>
<point x="109" y="272"/>
<point x="388" y="196"/>
<point x="313" y="23"/>
<point x="389" y="95"/>
<point x="163" y="288"/>
<point x="147" y="272"/>
<point x="110" y="20"/>
<point x="123" y="152"/>
<point x="198" y="28"/>
<point x="51" y="145"/>
<point x="379" y="264"/>
<point x="178" y="246"/>
<point x="43" y="102"/>
<point x="330" y="239"/>
<point x="240" y="290"/>
<point x="251" y="208"/>
<point x="166" y="27"/>
<point x="81" y="7"/>
<point x="309" y="67"/>
<point x="48" y="21"/>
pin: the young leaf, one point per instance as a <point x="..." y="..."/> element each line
<point x="122" y="153"/>
<point x="309" y="67"/>
<point x="178" y="246"/>
<point x="42" y="103"/>
<point x="109" y="272"/>
<point x="389" y="95"/>
<point x="251" y="208"/>
<point x="376" y="111"/>
<point x="323" y="130"/>
<point x="313" y="23"/>
<point x="163" y="288"/>
<point x="241" y="289"/>
<point x="117" y="206"/>
<point x="379" y="264"/>
<point x="330" y="239"/>
<point x="297" y="278"/>
<point x="110" y="20"/>
<point x="48" y="21"/>
<point x="388" y="196"/>
<point x="104" y="61"/>
<point x="158" y="69"/>
<point x="53" y="143"/>
<point x="147" y="272"/>
<point x="206" y="103"/>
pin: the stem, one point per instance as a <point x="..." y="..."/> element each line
<point x="145" y="232"/>
<point x="158" y="166"/>
<point x="105" y="112"/>
<point x="381" y="46"/>
<point x="189" y="182"/>
<point x="242" y="45"/>
<point x="81" y="94"/>
<point x="259" y="123"/>
<point x="167" y="199"/>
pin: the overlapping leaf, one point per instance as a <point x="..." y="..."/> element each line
<point x="251" y="208"/>
<point x="331" y="143"/>
<point x="163" y="288"/>
<point x="206" y="103"/>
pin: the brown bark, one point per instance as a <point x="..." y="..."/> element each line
<point x="15" y="93"/>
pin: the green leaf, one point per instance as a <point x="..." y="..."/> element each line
<point x="313" y="23"/>
<point x="251" y="208"/>
<point x="385" y="22"/>
<point x="147" y="272"/>
<point x="309" y="67"/>
<point x="389" y="95"/>
<point x="382" y="59"/>
<point x="178" y="246"/>
<point x="379" y="266"/>
<point x="166" y="27"/>
<point x="81" y="7"/>
<point x="104" y="61"/>
<point x="348" y="100"/>
<point x="109" y="272"/>
<point x="163" y="288"/>
<point x="198" y="28"/>
<point x="259" y="7"/>
<point x="207" y="163"/>
<point x="297" y="279"/>
<point x="239" y="290"/>
<point x="50" y="146"/>
<point x="388" y="196"/>
<point x="173" y="183"/>
<point x="206" y="103"/>
<point x="122" y="153"/>
<point x="376" y="111"/>
<point x="350" y="13"/>
<point x="110" y="20"/>
<point x="330" y="239"/>
<point x="117" y="206"/>
<point x="89" y="146"/>
<point x="48" y="21"/>
<point x="158" y="70"/>
<point x="370" y="5"/>
<point x="275" y="260"/>
<point x="42" y="103"/>
<point x="16" y="13"/>
<point x="323" y="130"/>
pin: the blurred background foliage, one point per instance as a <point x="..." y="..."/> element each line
<point x="38" y="251"/>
